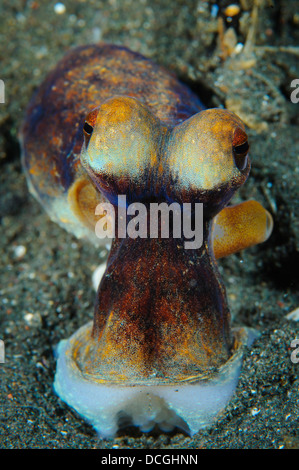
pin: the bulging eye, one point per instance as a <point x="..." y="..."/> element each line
<point x="89" y="125"/>
<point x="240" y="149"/>
<point x="87" y="128"/>
<point x="87" y="131"/>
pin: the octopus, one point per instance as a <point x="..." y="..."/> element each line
<point x="109" y="125"/>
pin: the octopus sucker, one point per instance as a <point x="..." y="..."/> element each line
<point x="109" y="136"/>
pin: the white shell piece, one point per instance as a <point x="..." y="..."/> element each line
<point x="189" y="406"/>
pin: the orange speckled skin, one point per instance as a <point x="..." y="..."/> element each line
<point x="251" y="224"/>
<point x="161" y="312"/>
<point x="52" y="134"/>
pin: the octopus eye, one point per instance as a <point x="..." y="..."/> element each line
<point x="90" y="122"/>
<point x="87" y="128"/>
<point x="240" y="149"/>
<point x="87" y="131"/>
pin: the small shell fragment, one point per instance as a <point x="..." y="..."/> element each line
<point x="59" y="8"/>
<point x="97" y="275"/>
<point x="293" y="315"/>
<point x="20" y="251"/>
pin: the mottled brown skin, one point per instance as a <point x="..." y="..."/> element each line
<point x="161" y="313"/>
<point x="52" y="134"/>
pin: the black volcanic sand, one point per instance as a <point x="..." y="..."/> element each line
<point x="45" y="287"/>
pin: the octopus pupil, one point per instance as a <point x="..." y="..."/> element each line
<point x="87" y="128"/>
<point x="240" y="155"/>
<point x="241" y="149"/>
